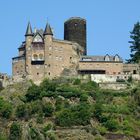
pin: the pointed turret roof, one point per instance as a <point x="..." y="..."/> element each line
<point x="29" y="30"/>
<point x="48" y="30"/>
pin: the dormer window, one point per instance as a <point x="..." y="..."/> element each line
<point x="107" y="58"/>
<point x="116" y="58"/>
<point x="37" y="38"/>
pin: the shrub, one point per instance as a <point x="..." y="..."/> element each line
<point x="48" y="127"/>
<point x="47" y="85"/>
<point x="130" y="79"/>
<point x="33" y="93"/>
<point x="89" y="86"/>
<point x="15" y="131"/>
<point x="102" y="130"/>
<point x="136" y="94"/>
<point x="98" y="111"/>
<point x="48" y="109"/>
<point x="77" y="82"/>
<point x="111" y="125"/>
<point x="76" y="115"/>
<point x="21" y="111"/>
<point x="5" y="109"/>
<point x="65" y="118"/>
<point x="84" y="98"/>
<point x="51" y="136"/>
<point x="35" y="107"/>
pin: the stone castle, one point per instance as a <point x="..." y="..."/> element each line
<point x="43" y="56"/>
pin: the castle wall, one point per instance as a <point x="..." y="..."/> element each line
<point x="18" y="66"/>
<point x="131" y="68"/>
<point x="112" y="68"/>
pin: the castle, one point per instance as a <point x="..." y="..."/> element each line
<point x="42" y="56"/>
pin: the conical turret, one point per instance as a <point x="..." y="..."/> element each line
<point x="29" y="30"/>
<point x="48" y="30"/>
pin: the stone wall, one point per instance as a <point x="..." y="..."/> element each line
<point x="114" y="86"/>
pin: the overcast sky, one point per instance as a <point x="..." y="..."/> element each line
<point x="109" y="23"/>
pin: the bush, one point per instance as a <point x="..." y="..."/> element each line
<point x="77" y="82"/>
<point x="84" y="98"/>
<point x="15" y="131"/>
<point x="39" y="118"/>
<point x="33" y="93"/>
<point x="136" y="94"/>
<point x="89" y="86"/>
<point x="21" y="111"/>
<point x="5" y="109"/>
<point x="51" y="136"/>
<point x="111" y="125"/>
<point x="48" y="109"/>
<point x="76" y="115"/>
<point x="47" y="85"/>
<point x="35" y="107"/>
<point x="65" y="118"/>
<point x="102" y="130"/>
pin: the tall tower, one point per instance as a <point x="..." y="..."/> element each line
<point x="75" y="30"/>
<point x="28" y="39"/>
<point x="48" y="38"/>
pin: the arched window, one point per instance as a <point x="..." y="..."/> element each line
<point x="107" y="58"/>
<point x="35" y="57"/>
<point x="41" y="57"/>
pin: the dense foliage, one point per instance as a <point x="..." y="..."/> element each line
<point x="70" y="104"/>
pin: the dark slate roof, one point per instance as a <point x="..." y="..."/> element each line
<point x="19" y="57"/>
<point x="40" y="32"/>
<point x="29" y="30"/>
<point x="48" y="30"/>
<point x="75" y="18"/>
<point x="22" y="46"/>
<point x="100" y="58"/>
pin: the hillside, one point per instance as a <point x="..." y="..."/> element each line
<point x="65" y="109"/>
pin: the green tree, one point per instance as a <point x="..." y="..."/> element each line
<point x="135" y="44"/>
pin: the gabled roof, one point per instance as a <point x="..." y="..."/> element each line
<point x="48" y="30"/>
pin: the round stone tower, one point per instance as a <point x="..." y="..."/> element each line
<point x="75" y="30"/>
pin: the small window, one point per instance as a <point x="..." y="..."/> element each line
<point x="37" y="73"/>
<point x="134" y="72"/>
<point x="41" y="56"/>
<point x="35" y="57"/>
<point x="49" y="73"/>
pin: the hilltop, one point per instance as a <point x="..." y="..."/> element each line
<point x="65" y="109"/>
